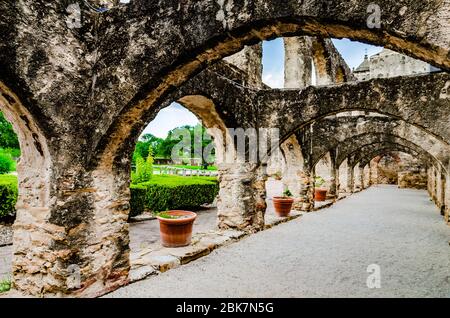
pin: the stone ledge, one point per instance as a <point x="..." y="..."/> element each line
<point x="148" y="262"/>
<point x="273" y="220"/>
<point x="324" y="205"/>
<point x="152" y="262"/>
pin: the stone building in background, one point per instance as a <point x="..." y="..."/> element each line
<point x="388" y="63"/>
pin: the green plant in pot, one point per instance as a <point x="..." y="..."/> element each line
<point x="176" y="227"/>
<point x="320" y="193"/>
<point x="283" y="204"/>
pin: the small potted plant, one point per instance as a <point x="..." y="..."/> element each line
<point x="176" y="227"/>
<point x="320" y="194"/>
<point x="283" y="204"/>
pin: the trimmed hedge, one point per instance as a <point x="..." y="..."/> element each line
<point x="160" y="194"/>
<point x="138" y="198"/>
<point x="8" y="195"/>
<point x="175" y="192"/>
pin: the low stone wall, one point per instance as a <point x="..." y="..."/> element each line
<point x="412" y="180"/>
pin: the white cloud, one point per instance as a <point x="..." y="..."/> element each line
<point x="274" y="80"/>
<point x="169" y="118"/>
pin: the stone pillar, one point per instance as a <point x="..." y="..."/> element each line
<point x="338" y="182"/>
<point x="298" y="62"/>
<point x="306" y="196"/>
<point x="78" y="244"/>
<point x="298" y="176"/>
<point x="333" y="176"/>
<point x="242" y="197"/>
<point x="361" y="177"/>
<point x="367" y="173"/>
<point x="443" y="194"/>
<point x="439" y="190"/>
<point x="249" y="60"/>
<point x="373" y="172"/>
<point x="300" y="181"/>
<point x="435" y="185"/>
<point x="350" y="177"/>
<point x="447" y="199"/>
<point x="430" y="182"/>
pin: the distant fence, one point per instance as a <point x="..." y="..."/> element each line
<point x="184" y="172"/>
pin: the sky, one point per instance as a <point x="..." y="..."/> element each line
<point x="175" y="115"/>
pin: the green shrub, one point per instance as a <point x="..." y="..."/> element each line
<point x="138" y="199"/>
<point x="8" y="195"/>
<point x="144" y="168"/>
<point x="6" y="163"/>
<point x="5" y="285"/>
<point x="176" y="192"/>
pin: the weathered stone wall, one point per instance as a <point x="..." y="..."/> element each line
<point x="388" y="63"/>
<point x="81" y="91"/>
<point x="412" y="174"/>
<point x="249" y="60"/>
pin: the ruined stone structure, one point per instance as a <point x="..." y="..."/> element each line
<point x="388" y="63"/>
<point x="80" y="84"/>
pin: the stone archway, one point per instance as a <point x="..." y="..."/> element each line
<point x="123" y="64"/>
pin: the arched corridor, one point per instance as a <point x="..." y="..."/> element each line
<point x="326" y="254"/>
<point x="81" y="84"/>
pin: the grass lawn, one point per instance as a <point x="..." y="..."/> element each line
<point x="170" y="180"/>
<point x="8" y="179"/>
<point x="210" y="168"/>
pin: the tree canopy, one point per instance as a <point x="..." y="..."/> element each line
<point x="8" y="138"/>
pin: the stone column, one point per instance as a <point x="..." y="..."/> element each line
<point x="439" y="190"/>
<point x="350" y="177"/>
<point x="249" y="60"/>
<point x="338" y="182"/>
<point x="334" y="176"/>
<point x="370" y="182"/>
<point x="429" y="181"/>
<point x="447" y="199"/>
<point x="298" y="176"/>
<point x="374" y="172"/>
<point x="443" y="194"/>
<point x="298" y="62"/>
<point x="361" y="176"/>
<point x="242" y="196"/>
<point x="78" y="244"/>
<point x="306" y="196"/>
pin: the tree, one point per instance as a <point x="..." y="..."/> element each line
<point x="6" y="163"/>
<point x="142" y="147"/>
<point x="144" y="168"/>
<point x="199" y="141"/>
<point x="8" y="138"/>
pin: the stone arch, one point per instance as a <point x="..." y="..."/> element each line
<point x="228" y="32"/>
<point x="232" y="213"/>
<point x="369" y="152"/>
<point x="332" y="133"/>
<point x="364" y="155"/>
<point x="355" y="146"/>
<point x="421" y="101"/>
<point x="111" y="84"/>
<point x="35" y="194"/>
<point x="329" y="65"/>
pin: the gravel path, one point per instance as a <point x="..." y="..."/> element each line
<point x="326" y="254"/>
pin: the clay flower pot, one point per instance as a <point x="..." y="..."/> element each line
<point x="320" y="194"/>
<point x="283" y="205"/>
<point x="177" y="230"/>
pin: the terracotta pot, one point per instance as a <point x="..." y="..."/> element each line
<point x="177" y="232"/>
<point x="320" y="194"/>
<point x="283" y="205"/>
